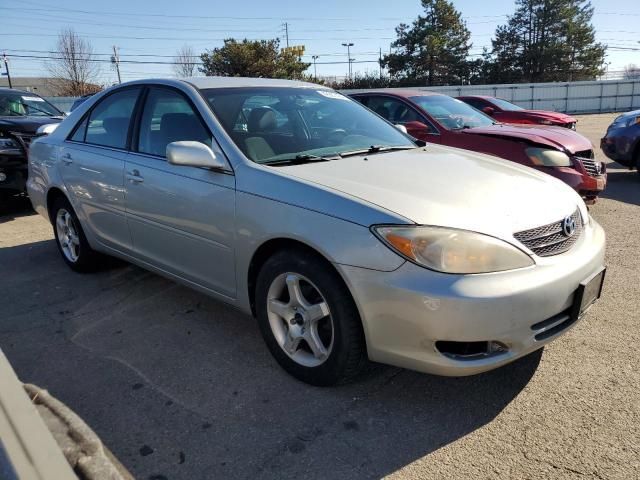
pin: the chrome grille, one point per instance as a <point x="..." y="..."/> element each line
<point x="550" y="239"/>
<point x="585" y="154"/>
<point x="591" y="166"/>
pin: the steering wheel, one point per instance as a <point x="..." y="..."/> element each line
<point x="335" y="136"/>
<point x="459" y="121"/>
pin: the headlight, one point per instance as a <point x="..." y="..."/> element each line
<point x="452" y="251"/>
<point x="547" y="157"/>
<point x="632" y="121"/>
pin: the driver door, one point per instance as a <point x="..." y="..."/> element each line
<point x="181" y="218"/>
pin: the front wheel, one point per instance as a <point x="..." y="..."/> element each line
<point x="308" y="319"/>
<point x="70" y="238"/>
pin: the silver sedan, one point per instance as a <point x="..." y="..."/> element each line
<point x="344" y="237"/>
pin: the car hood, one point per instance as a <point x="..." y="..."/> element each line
<point x="547" y="115"/>
<point x="449" y="187"/>
<point x="556" y="137"/>
<point x="26" y="124"/>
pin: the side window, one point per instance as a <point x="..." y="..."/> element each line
<point x="168" y="117"/>
<point x="78" y="135"/>
<point x="475" y="103"/>
<point x="109" y="120"/>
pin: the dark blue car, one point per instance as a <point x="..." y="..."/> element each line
<point x="622" y="140"/>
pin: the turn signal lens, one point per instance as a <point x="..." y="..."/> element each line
<point x="452" y="251"/>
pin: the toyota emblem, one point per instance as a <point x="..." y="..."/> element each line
<point x="569" y="225"/>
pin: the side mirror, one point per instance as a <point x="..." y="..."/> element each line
<point x="401" y="127"/>
<point x="489" y="110"/>
<point x="193" y="154"/>
<point x="46" y="129"/>
<point x="416" y="125"/>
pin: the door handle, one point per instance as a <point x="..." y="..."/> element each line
<point x="66" y="159"/>
<point x="134" y="176"/>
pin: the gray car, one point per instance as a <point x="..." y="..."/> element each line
<point x="343" y="237"/>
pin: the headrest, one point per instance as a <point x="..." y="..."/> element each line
<point x="262" y="119"/>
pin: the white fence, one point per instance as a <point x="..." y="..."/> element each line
<point x="571" y="97"/>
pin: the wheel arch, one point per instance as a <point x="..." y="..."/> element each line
<point x="268" y="248"/>
<point x="53" y="194"/>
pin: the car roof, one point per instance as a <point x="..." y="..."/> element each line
<point x="230" y="82"/>
<point x="399" y="92"/>
<point x="15" y="90"/>
<point x="486" y="97"/>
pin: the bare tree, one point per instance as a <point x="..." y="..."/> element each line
<point x="73" y="68"/>
<point x="631" y="72"/>
<point x="185" y="62"/>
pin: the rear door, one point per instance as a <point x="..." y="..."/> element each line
<point x="92" y="163"/>
<point x="181" y="218"/>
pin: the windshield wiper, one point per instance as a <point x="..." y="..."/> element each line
<point x="16" y="112"/>
<point x="300" y="159"/>
<point x="31" y="107"/>
<point x="376" y="149"/>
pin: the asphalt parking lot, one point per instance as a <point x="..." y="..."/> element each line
<point x="182" y="387"/>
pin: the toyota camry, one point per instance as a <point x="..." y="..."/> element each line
<point x="344" y="237"/>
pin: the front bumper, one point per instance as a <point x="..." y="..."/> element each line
<point x="619" y="149"/>
<point x="405" y="312"/>
<point x="589" y="187"/>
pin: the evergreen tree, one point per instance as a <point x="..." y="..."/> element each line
<point x="252" y="58"/>
<point x="546" y="41"/>
<point x="434" y="49"/>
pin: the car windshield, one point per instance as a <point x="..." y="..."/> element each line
<point x="24" y="104"/>
<point x="504" y="105"/>
<point x="279" y="124"/>
<point x="451" y="113"/>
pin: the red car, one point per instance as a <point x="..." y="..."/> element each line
<point x="507" y="112"/>
<point x="436" y="118"/>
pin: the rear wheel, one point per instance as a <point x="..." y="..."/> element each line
<point x="70" y="238"/>
<point x="308" y="319"/>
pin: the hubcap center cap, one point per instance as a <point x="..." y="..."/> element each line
<point x="297" y="319"/>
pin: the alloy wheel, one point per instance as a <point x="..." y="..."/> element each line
<point x="300" y="319"/>
<point x="68" y="235"/>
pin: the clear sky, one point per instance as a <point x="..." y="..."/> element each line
<point x="147" y="30"/>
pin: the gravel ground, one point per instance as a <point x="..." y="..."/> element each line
<point x="182" y="387"/>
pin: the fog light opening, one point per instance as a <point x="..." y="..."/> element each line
<point x="3" y="176"/>
<point x="471" y="350"/>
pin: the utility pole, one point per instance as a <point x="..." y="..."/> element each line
<point x="6" y="66"/>
<point x="380" y="62"/>
<point x="349" y="45"/>
<point x="286" y="32"/>
<point x="315" y="74"/>
<point x="116" y="60"/>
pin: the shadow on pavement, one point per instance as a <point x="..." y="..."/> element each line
<point x="623" y="185"/>
<point x="180" y="386"/>
<point x="14" y="206"/>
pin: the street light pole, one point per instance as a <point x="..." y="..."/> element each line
<point x="348" y="45"/>
<point x="6" y="66"/>
<point x="115" y="59"/>
<point x="315" y="74"/>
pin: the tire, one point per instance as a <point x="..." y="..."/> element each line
<point x="326" y="312"/>
<point x="71" y="240"/>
